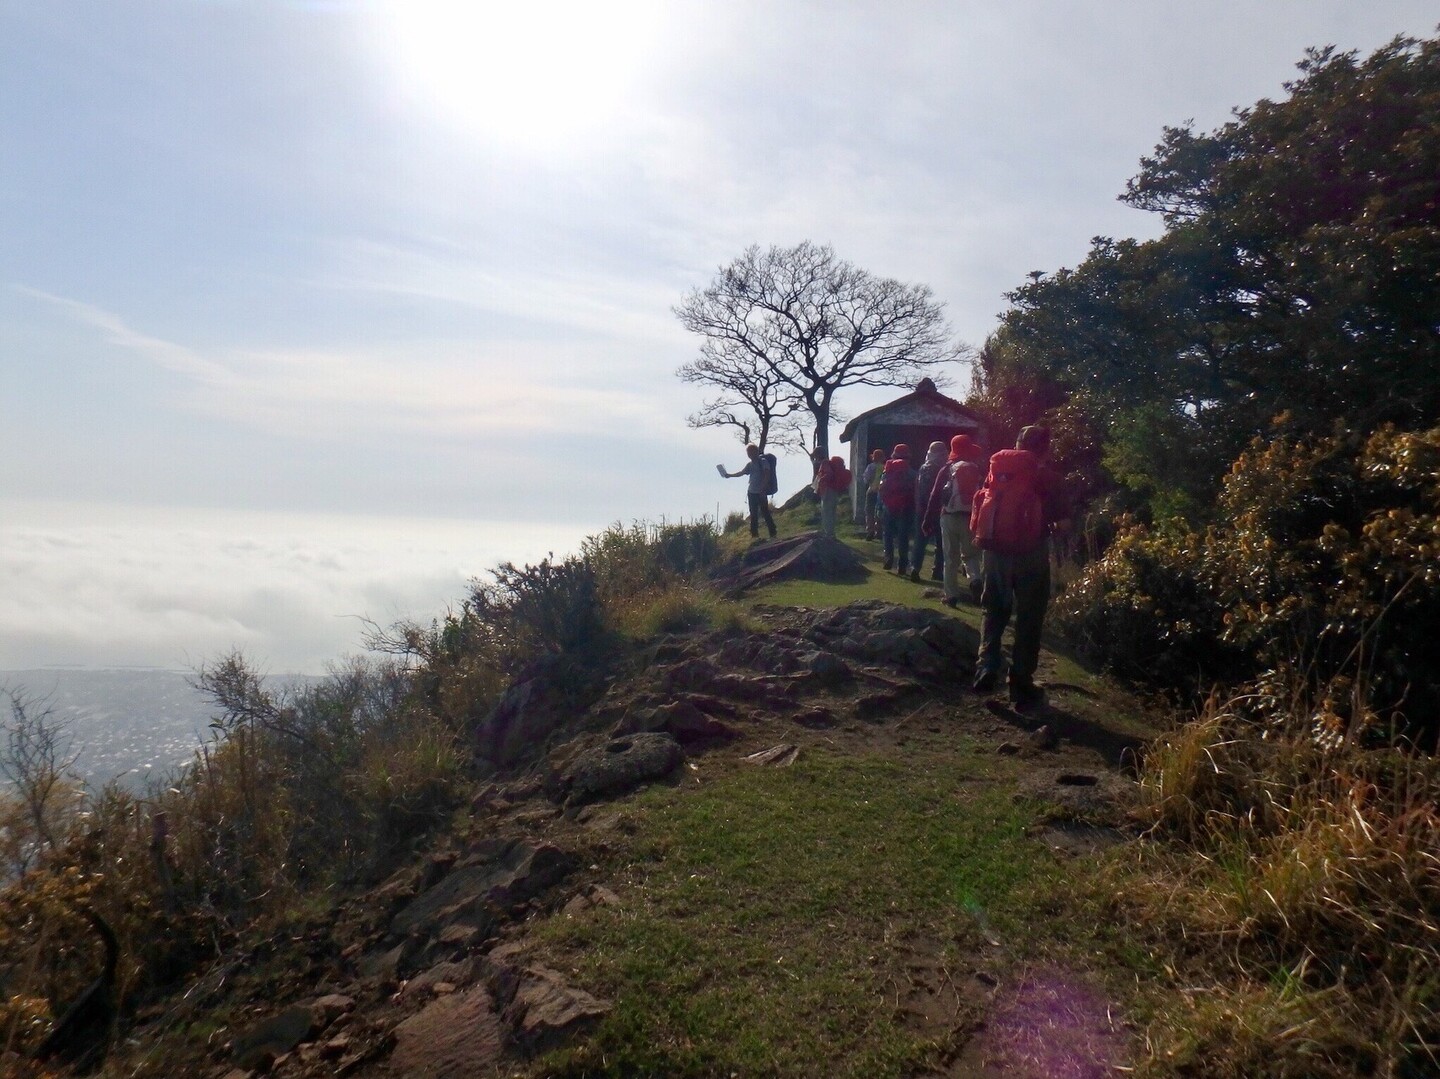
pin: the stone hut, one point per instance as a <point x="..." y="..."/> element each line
<point x="917" y="419"/>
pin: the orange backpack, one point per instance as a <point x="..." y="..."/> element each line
<point x="1006" y="514"/>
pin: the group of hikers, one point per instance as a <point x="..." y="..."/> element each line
<point x="990" y="520"/>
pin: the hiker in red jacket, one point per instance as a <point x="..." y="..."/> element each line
<point x="1013" y="514"/>
<point x="832" y="479"/>
<point x="897" y="495"/>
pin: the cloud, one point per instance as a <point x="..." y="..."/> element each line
<point x="86" y="585"/>
<point x="496" y="387"/>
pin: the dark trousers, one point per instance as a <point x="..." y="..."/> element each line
<point x="760" y="507"/>
<point x="917" y="560"/>
<point x="898" y="524"/>
<point x="1018" y="582"/>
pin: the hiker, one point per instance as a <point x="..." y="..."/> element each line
<point x="763" y="484"/>
<point x="897" y="494"/>
<point x="947" y="511"/>
<point x="1012" y="516"/>
<point x="870" y="481"/>
<point x="924" y="485"/>
<point x="831" y="479"/>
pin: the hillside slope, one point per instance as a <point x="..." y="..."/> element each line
<point x="800" y="848"/>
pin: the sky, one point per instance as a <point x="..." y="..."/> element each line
<point x="310" y="312"/>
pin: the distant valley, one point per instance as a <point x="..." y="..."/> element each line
<point x="132" y="724"/>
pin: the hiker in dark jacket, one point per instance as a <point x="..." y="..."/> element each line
<point x="759" y="472"/>
<point x="924" y="484"/>
<point x="1019" y="580"/>
<point x="897" y="494"/>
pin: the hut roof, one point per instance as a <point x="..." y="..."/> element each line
<point x="924" y="396"/>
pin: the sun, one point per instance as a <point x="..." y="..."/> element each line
<point x="526" y="72"/>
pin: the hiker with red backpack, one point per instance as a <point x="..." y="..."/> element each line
<point x="832" y="479"/>
<point x="1011" y="518"/>
<point x="897" y="495"/>
<point x="948" y="513"/>
<point x="763" y="483"/>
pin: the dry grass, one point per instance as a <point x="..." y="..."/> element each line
<point x="1299" y="882"/>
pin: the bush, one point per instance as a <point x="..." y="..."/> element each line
<point x="1326" y="562"/>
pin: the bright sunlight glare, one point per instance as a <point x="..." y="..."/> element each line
<point x="530" y="73"/>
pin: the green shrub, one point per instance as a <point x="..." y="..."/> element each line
<point x="1325" y="562"/>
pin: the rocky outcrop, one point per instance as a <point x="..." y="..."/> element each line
<point x="809" y="556"/>
<point x="493" y="878"/>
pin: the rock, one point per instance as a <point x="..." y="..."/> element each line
<point x="545" y="1010"/>
<point x="620" y="765"/>
<point x="386" y="965"/>
<point x="809" y="556"/>
<point x="681" y="719"/>
<point x="258" y="1046"/>
<point x="597" y="895"/>
<point x="521" y="720"/>
<point x="331" y="1007"/>
<point x="454" y="1037"/>
<point x="458" y="936"/>
<point x="759" y="689"/>
<point x="489" y="879"/>
<point x="453" y="974"/>
<point x="829" y="669"/>
<point x="782" y="756"/>
<point x="1043" y="737"/>
<point x="691" y="674"/>
<point x="816" y="718"/>
<point x="876" y="706"/>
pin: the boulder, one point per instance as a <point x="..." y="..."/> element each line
<point x="808" y="556"/>
<point x="620" y="765"/>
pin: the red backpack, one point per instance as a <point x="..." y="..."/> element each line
<point x="1006" y="513"/>
<point x="897" y="485"/>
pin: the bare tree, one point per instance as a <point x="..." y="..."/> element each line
<point x="752" y="398"/>
<point x="800" y="324"/>
<point x="36" y="759"/>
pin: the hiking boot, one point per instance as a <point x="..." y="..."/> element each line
<point x="985" y="681"/>
<point x="1027" y="697"/>
<point x="915" y="575"/>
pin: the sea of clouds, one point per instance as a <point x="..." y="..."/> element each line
<point x="96" y="587"/>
